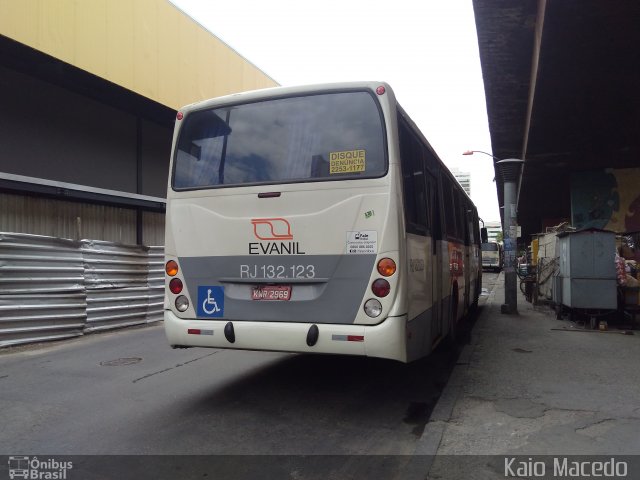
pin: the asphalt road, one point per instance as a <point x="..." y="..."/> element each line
<point x="128" y="393"/>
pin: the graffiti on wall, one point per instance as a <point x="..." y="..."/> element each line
<point x="606" y="199"/>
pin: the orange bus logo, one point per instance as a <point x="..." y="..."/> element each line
<point x="271" y="229"/>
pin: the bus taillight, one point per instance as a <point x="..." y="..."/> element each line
<point x="386" y="267"/>
<point x="171" y="268"/>
<point x="373" y="308"/>
<point x="175" y="285"/>
<point x="182" y="303"/>
<point x="380" y="287"/>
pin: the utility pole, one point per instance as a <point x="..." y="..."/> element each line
<point x="510" y="171"/>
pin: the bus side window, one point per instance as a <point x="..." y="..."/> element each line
<point x="472" y="223"/>
<point x="449" y="208"/>
<point x="476" y="227"/>
<point x="419" y="185"/>
<point x="459" y="215"/>
<point x="466" y="221"/>
<point x="434" y="195"/>
<point x="414" y="183"/>
<point x="433" y="210"/>
<point x="410" y="212"/>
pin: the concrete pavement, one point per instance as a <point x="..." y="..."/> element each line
<point x="522" y="386"/>
<point x="529" y="384"/>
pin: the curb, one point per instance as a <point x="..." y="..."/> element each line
<point x="429" y="442"/>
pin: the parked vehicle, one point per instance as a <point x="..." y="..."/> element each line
<point x="492" y="256"/>
<point x="315" y="219"/>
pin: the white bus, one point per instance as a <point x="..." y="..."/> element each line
<point x="492" y="255"/>
<point x="314" y="219"/>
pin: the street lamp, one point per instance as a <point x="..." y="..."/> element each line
<point x="509" y="168"/>
<point x="471" y="152"/>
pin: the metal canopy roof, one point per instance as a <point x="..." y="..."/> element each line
<point x="562" y="83"/>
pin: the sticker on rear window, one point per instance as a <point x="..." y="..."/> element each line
<point x="350" y="161"/>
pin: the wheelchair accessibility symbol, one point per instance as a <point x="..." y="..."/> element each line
<point x="210" y="301"/>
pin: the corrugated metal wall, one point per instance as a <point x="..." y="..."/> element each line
<point x="42" y="295"/>
<point x="116" y="282"/>
<point x="156" y="286"/>
<point x="53" y="288"/>
<point x="63" y="219"/>
<point x="153" y="229"/>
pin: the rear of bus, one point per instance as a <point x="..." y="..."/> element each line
<point x="491" y="256"/>
<point x="284" y="223"/>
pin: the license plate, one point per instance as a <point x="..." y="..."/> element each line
<point x="271" y="292"/>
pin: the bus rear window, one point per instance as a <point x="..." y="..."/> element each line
<point x="489" y="247"/>
<point x="296" y="139"/>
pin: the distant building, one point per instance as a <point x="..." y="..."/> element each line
<point x="493" y="228"/>
<point x="464" y="179"/>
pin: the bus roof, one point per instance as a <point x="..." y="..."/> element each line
<point x="274" y="92"/>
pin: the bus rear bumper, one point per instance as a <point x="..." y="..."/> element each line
<point x="385" y="340"/>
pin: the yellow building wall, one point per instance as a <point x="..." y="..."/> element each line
<point x="147" y="46"/>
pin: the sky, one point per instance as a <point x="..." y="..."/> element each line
<point x="427" y="50"/>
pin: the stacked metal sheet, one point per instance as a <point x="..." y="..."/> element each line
<point x="42" y="291"/>
<point x="156" y="279"/>
<point x="53" y="288"/>
<point x="116" y="283"/>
